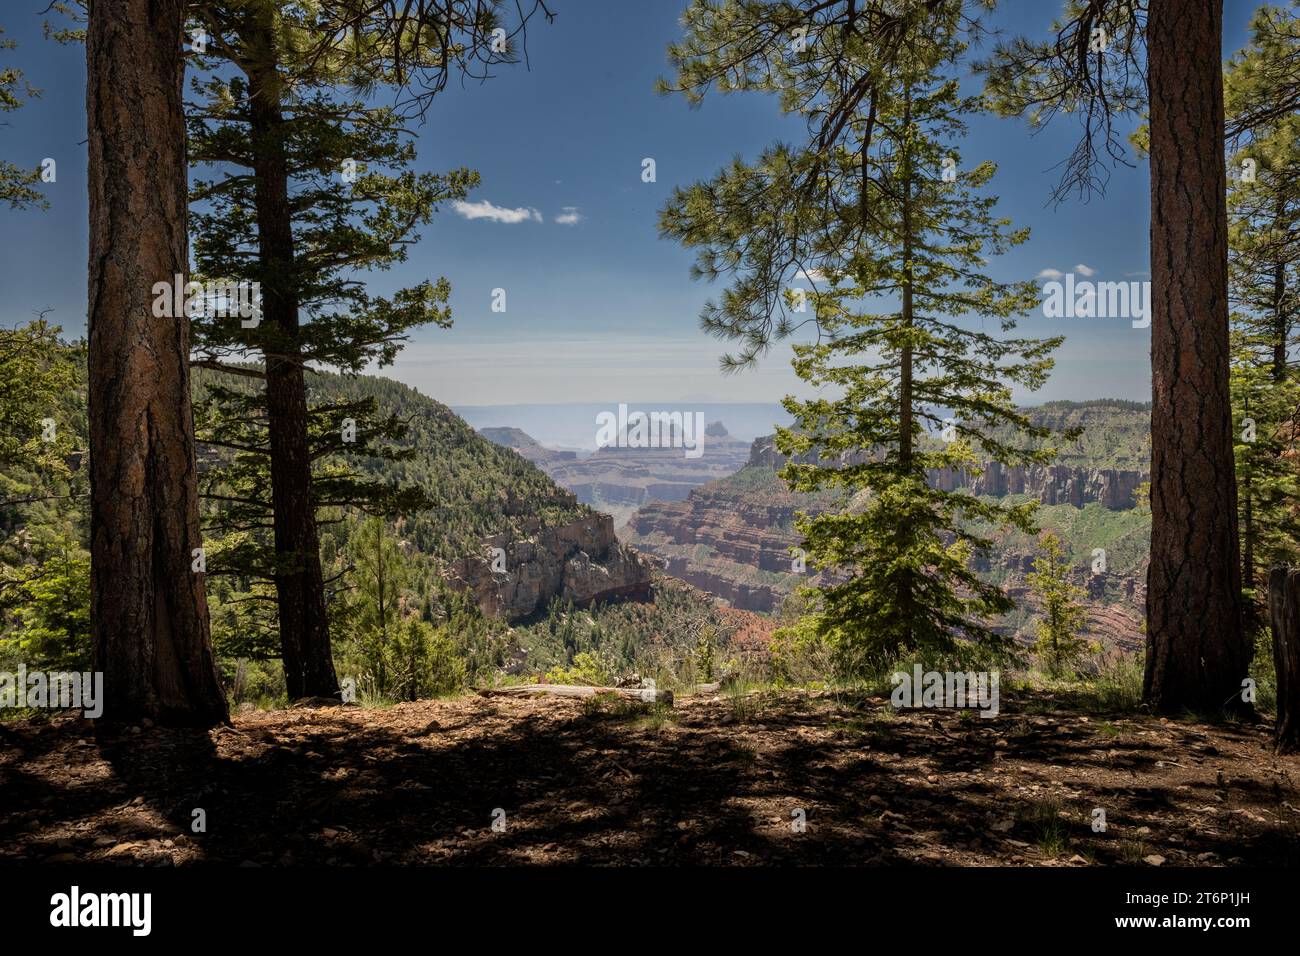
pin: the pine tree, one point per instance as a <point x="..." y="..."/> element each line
<point x="35" y="370"/>
<point x="149" y="610"/>
<point x="877" y="209"/>
<point x="377" y="606"/>
<point x="1264" y="274"/>
<point x="17" y="185"/>
<point x="1106" y="61"/>
<point x="1059" y="644"/>
<point x="315" y="187"/>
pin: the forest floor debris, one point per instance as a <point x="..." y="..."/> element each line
<point x="760" y="779"/>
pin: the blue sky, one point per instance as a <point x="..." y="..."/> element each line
<point x="599" y="309"/>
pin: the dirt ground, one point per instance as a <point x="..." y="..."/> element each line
<point x="790" y="779"/>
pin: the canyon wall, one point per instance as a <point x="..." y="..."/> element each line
<point x="581" y="561"/>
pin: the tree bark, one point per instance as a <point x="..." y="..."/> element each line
<point x="299" y="583"/>
<point x="1284" y="612"/>
<point x="1281" y="326"/>
<point x="1197" y="650"/>
<point x="149" y="615"/>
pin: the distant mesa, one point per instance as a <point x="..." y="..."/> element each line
<point x="619" y="480"/>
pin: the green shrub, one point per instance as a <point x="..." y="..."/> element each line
<point x="1118" y="683"/>
<point x="587" y="668"/>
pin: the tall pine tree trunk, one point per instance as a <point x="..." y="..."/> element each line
<point x="299" y="583"/>
<point x="1197" y="651"/>
<point x="905" y="419"/>
<point x="1281" y="327"/>
<point x="149" y="614"/>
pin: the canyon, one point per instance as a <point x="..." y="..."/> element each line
<point x="619" y="480"/>
<point x="735" y="537"/>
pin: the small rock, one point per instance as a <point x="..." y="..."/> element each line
<point x="1155" y="859"/>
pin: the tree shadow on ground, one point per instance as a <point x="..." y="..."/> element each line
<point x="777" y="783"/>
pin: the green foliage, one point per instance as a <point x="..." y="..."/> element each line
<point x="44" y="564"/>
<point x="1043" y="817"/>
<point x="483" y="490"/>
<point x="1264" y="272"/>
<point x="36" y="371"/>
<point x="863" y="206"/>
<point x="17" y="185"/>
<point x="587" y="668"/>
<point x="253" y="683"/>
<point x="48" y="607"/>
<point x="1060" y="646"/>
<point x="400" y="656"/>
<point x="311" y="186"/>
<point x="1261" y="89"/>
<point x="705" y="652"/>
<point x="1117" y="686"/>
<point x="419" y="661"/>
<point x="802" y="657"/>
<point x="1263" y="671"/>
<point x="1099" y="433"/>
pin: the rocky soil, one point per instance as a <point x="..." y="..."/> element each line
<point x="715" y="781"/>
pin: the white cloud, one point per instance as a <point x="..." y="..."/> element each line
<point x="1085" y="270"/>
<point x="494" y="213"/>
<point x="812" y="275"/>
<point x="1051" y="274"/>
<point x="570" y="217"/>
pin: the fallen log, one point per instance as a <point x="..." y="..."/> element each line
<point x="648" y="695"/>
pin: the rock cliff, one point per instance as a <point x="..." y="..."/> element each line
<point x="733" y="537"/>
<point x="515" y="576"/>
<point x="1062" y="484"/>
